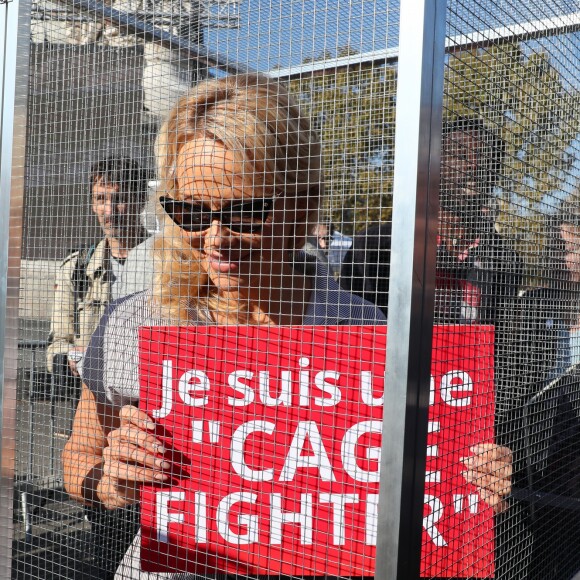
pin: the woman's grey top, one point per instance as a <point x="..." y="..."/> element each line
<point x="111" y="360"/>
<point x="110" y="368"/>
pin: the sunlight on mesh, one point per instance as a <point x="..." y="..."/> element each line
<point x="205" y="234"/>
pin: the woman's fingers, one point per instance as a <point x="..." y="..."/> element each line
<point x="490" y="470"/>
<point x="501" y="486"/>
<point x="499" y="469"/>
<point x="128" y="433"/>
<point x="497" y="502"/>
<point x="129" y="462"/>
<point x="134" y="416"/>
<point x="129" y="453"/>
<point x="492" y="491"/>
<point x="133" y="453"/>
<point x="133" y="473"/>
<point x="492" y="452"/>
<point x="490" y="458"/>
<point x="132" y="457"/>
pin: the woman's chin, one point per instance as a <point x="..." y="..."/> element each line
<point x="228" y="279"/>
<point x="224" y="279"/>
<point x="244" y="273"/>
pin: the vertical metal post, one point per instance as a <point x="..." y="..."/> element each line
<point x="412" y="285"/>
<point x="14" y="65"/>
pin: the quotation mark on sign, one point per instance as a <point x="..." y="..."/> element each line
<point x="461" y="502"/>
<point x="213" y="431"/>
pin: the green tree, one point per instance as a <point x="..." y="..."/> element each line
<point x="518" y="93"/>
<point x="354" y="110"/>
<point x="525" y="100"/>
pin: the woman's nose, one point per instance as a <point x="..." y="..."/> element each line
<point x="217" y="236"/>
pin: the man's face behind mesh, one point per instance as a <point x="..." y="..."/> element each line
<point x="465" y="182"/>
<point x="117" y="212"/>
<point x="462" y="164"/>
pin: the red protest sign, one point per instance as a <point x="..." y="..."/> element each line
<point x="275" y="440"/>
<point x="458" y="538"/>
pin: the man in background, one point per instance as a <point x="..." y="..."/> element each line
<point x="329" y="246"/>
<point x="478" y="274"/>
<point x="338" y="246"/>
<point x="86" y="279"/>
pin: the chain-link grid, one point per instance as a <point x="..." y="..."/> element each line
<point x="506" y="260"/>
<point x="243" y="224"/>
<point x="231" y="219"/>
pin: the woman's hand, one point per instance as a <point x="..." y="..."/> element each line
<point x="132" y="457"/>
<point x="490" y="470"/>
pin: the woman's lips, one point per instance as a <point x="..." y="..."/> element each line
<point x="223" y="263"/>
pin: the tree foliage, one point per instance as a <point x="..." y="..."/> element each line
<point x="354" y="111"/>
<point x="517" y="92"/>
<point x="525" y="100"/>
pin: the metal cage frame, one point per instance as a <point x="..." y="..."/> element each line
<point x="421" y="56"/>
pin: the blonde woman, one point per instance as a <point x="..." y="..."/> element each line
<point x="241" y="181"/>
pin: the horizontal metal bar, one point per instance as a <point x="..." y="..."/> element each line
<point x="512" y="33"/>
<point x="206" y="17"/>
<point x="545" y="499"/>
<point x="374" y="57"/>
<point x="39" y="16"/>
<point x="149" y="14"/>
<point x="32" y="344"/>
<point x="534" y="29"/>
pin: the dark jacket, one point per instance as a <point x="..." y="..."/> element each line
<point x="480" y="285"/>
<point x="366" y="266"/>
<point x="538" y="417"/>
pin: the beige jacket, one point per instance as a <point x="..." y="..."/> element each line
<point x="90" y="308"/>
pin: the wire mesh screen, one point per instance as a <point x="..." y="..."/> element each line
<point x="507" y="282"/>
<point x="223" y="418"/>
<point x="204" y="291"/>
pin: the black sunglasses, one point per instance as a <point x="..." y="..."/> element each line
<point x="243" y="218"/>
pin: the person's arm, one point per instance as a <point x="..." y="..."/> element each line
<point x="82" y="456"/>
<point x="62" y="334"/>
<point x="110" y="453"/>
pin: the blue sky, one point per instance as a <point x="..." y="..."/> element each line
<point x="285" y="32"/>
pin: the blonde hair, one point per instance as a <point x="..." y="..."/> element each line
<point x="259" y="122"/>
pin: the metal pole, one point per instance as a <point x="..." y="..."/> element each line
<point x="411" y="289"/>
<point x="14" y="52"/>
